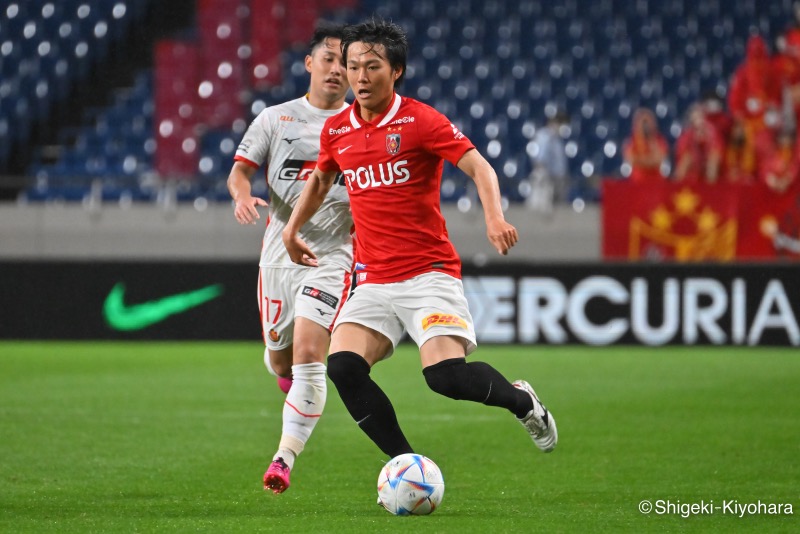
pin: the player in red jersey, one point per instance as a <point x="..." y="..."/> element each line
<point x="391" y="151"/>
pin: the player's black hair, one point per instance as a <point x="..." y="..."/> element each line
<point x="325" y="30"/>
<point x="377" y="31"/>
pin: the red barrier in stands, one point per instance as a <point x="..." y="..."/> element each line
<point x="177" y="67"/>
<point x="674" y="221"/>
<point x="221" y="32"/>
<point x="266" y="20"/>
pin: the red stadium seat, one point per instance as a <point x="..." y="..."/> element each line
<point x="265" y="43"/>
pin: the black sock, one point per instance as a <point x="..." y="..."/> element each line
<point x="477" y="382"/>
<point x="367" y="403"/>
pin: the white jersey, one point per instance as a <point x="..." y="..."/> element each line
<point x="286" y="137"/>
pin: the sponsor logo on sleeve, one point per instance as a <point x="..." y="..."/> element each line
<point x="443" y="319"/>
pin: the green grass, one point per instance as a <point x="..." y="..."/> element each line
<point x="174" y="437"/>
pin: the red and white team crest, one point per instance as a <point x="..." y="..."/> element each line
<point x="392" y="143"/>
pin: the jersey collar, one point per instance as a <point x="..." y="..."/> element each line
<point x="327" y="112"/>
<point x="389" y="115"/>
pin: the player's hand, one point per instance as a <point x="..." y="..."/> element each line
<point x="245" y="209"/>
<point x="298" y="250"/>
<point x="502" y="236"/>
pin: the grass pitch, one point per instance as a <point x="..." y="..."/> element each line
<point x="174" y="437"/>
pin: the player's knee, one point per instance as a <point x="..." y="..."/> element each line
<point x="277" y="368"/>
<point x="347" y="369"/>
<point x="310" y="342"/>
<point x="308" y="353"/>
<point x="445" y="377"/>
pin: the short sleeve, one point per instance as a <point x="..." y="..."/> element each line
<point x="325" y="161"/>
<point x="254" y="147"/>
<point x="442" y="137"/>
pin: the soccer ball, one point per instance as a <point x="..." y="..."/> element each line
<point x="410" y="484"/>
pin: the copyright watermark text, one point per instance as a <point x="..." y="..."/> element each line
<point x="723" y="507"/>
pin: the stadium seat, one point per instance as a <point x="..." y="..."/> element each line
<point x="474" y="60"/>
<point x="46" y="49"/>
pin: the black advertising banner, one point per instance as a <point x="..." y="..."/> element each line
<point x="592" y="304"/>
<point x="111" y="300"/>
<point x="637" y="303"/>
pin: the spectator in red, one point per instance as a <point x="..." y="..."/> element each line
<point x="716" y="114"/>
<point x="738" y="164"/>
<point x="786" y="65"/>
<point x="780" y="168"/>
<point x="698" y="152"/>
<point x="755" y="94"/>
<point x="646" y="150"/>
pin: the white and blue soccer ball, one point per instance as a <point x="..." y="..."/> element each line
<point x="410" y="484"/>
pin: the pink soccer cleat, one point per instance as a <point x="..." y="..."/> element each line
<point x="277" y="477"/>
<point x="284" y="383"/>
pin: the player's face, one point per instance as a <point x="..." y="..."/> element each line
<point x="328" y="80"/>
<point x="371" y="76"/>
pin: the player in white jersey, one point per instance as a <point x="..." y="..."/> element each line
<point x="297" y="304"/>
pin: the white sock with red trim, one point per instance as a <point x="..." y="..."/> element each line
<point x="302" y="409"/>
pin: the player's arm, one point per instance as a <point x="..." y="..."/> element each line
<point x="314" y="192"/>
<point x="501" y="234"/>
<point x="684" y="162"/>
<point x="240" y="189"/>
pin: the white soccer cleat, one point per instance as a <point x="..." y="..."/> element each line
<point x="539" y="423"/>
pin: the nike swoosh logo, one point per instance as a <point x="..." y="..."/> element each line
<point x="124" y="317"/>
<point x="343" y="149"/>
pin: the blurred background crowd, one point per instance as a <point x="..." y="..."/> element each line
<point x="144" y="100"/>
<point x="748" y="137"/>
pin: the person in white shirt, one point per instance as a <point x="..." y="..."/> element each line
<point x="550" y="177"/>
<point x="297" y="304"/>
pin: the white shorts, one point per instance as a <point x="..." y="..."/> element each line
<point x="429" y="305"/>
<point x="315" y="293"/>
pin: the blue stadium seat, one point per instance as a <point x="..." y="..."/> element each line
<point x="607" y="56"/>
<point x="48" y="47"/>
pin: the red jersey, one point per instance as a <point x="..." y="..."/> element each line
<point x="636" y="148"/>
<point x="392" y="167"/>
<point x="753" y="88"/>
<point x="699" y="143"/>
